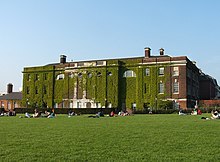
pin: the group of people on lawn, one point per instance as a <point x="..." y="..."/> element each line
<point x="8" y="113"/>
<point x="214" y="113"/>
<point x="111" y="114"/>
<point x="194" y="112"/>
<point x="37" y="114"/>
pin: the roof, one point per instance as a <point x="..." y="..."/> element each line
<point x="12" y="96"/>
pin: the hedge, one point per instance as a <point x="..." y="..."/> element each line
<point x="66" y="110"/>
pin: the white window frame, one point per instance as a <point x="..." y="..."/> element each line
<point x="175" y="71"/>
<point x="161" y="71"/>
<point x="161" y="88"/>
<point x="147" y="72"/>
<point x="129" y="73"/>
<point x="60" y="76"/>
<point x="176" y="87"/>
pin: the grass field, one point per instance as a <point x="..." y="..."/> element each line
<point x="131" y="138"/>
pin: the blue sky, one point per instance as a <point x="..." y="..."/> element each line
<point x="36" y="32"/>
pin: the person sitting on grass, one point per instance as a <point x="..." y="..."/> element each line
<point x="27" y="115"/>
<point x="45" y="114"/>
<point x="194" y="112"/>
<point x="100" y="114"/>
<point x="199" y="112"/>
<point x="52" y="114"/>
<point x="97" y="115"/>
<point x="11" y="113"/>
<point x="181" y="112"/>
<point x="36" y="114"/>
<point x="215" y="115"/>
<point x="112" y="114"/>
<point x="71" y="113"/>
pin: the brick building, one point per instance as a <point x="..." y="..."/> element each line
<point x="119" y="83"/>
<point x="11" y="100"/>
<point x="209" y="88"/>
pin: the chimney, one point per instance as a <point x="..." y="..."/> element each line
<point x="9" y="88"/>
<point x="147" y="52"/>
<point x="62" y="59"/>
<point x="161" y="52"/>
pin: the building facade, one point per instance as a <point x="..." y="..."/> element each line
<point x="209" y="89"/>
<point x="137" y="82"/>
<point x="11" y="100"/>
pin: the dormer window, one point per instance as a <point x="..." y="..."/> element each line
<point x="60" y="76"/>
<point x="129" y="73"/>
<point x="161" y="71"/>
<point x="99" y="74"/>
<point x="147" y="72"/>
<point x="80" y="75"/>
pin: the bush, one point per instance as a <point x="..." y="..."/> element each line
<point x="165" y="105"/>
<point x="66" y="110"/>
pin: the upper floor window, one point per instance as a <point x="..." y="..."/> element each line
<point x="147" y="72"/>
<point x="37" y="77"/>
<point x="89" y="75"/>
<point x="161" y="71"/>
<point x="99" y="74"/>
<point x="161" y="87"/>
<point x="109" y="73"/>
<point x="28" y="77"/>
<point x="28" y="90"/>
<point x="145" y="87"/>
<point x="175" y="71"/>
<point x="36" y="90"/>
<point x="80" y="75"/>
<point x="60" y="76"/>
<point x="129" y="73"/>
<point x="45" y="76"/>
<point x="80" y="64"/>
<point x="45" y="89"/>
<point x="100" y="63"/>
<point x="71" y="75"/>
<point x="176" y="86"/>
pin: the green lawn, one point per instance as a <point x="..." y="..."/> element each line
<point x="131" y="138"/>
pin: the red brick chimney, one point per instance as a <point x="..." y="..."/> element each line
<point x="161" y="51"/>
<point x="9" y="88"/>
<point x="147" y="52"/>
<point x="62" y="59"/>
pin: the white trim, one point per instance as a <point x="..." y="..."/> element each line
<point x="165" y="62"/>
<point x="180" y="99"/>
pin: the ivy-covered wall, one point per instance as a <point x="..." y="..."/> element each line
<point x="37" y="86"/>
<point x="104" y="84"/>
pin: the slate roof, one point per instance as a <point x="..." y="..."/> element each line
<point x="12" y="96"/>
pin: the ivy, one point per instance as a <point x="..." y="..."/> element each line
<point x="100" y="83"/>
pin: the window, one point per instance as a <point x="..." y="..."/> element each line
<point x="36" y="90"/>
<point x="145" y="87"/>
<point x="71" y="75"/>
<point x="176" y="87"/>
<point x="60" y="76"/>
<point x="147" y="72"/>
<point x="89" y="75"/>
<point x="100" y="63"/>
<point x="109" y="73"/>
<point x="80" y="64"/>
<point x="161" y="88"/>
<point x="161" y="71"/>
<point x="45" y="90"/>
<point x="129" y="73"/>
<point x="45" y="76"/>
<point x="99" y="74"/>
<point x="28" y="77"/>
<point x="175" y="71"/>
<point x="37" y="77"/>
<point x="28" y="90"/>
<point x="80" y="75"/>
